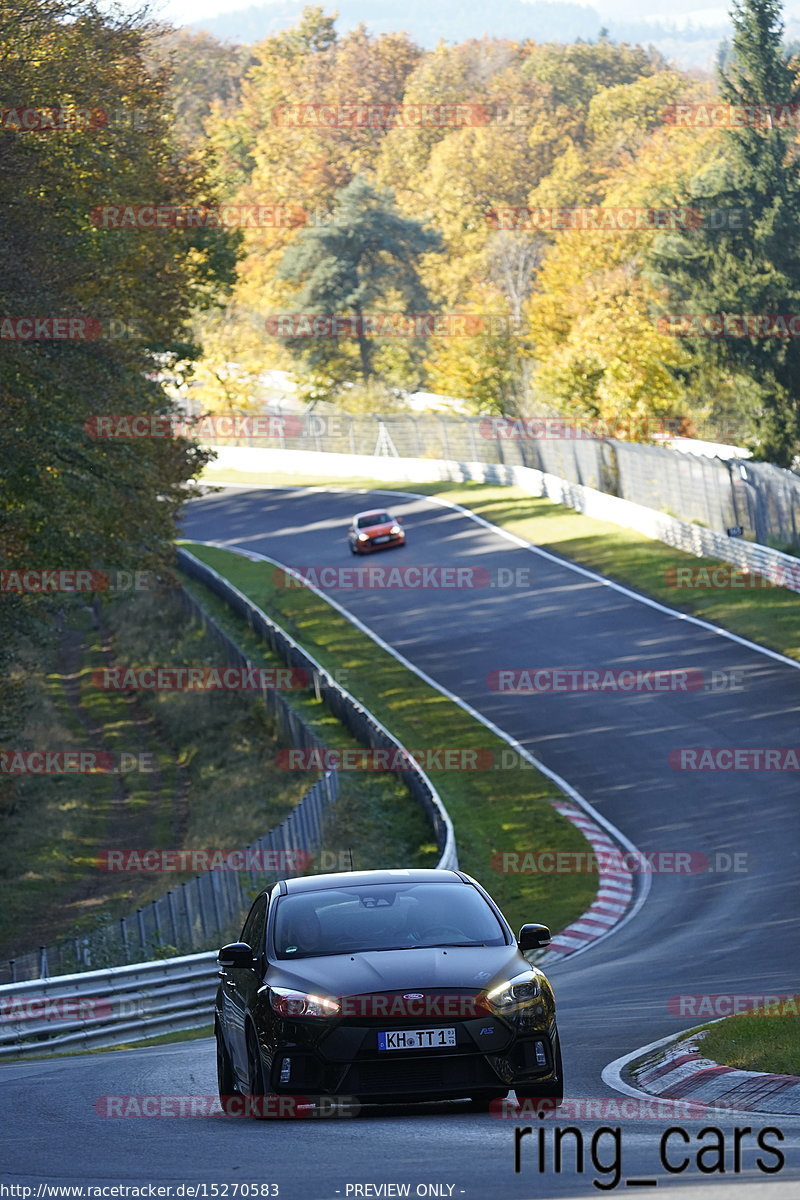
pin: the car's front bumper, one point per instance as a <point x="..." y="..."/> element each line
<point x="347" y="1061"/>
<point x="373" y="545"/>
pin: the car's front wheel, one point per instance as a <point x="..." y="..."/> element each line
<point x="226" y="1082"/>
<point x="259" y="1094"/>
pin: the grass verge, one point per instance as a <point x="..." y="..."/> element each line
<point x="756" y="1042"/>
<point x="492" y="810"/>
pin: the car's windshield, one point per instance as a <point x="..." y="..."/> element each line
<point x="385" y="916"/>
<point x="377" y="518"/>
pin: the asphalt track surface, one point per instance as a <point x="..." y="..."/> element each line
<point x="702" y="933"/>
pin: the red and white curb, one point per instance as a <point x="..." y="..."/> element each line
<point x="674" y="1069"/>
<point x="614" y="894"/>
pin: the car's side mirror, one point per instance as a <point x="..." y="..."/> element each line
<point x="236" y="954"/>
<point x="399" y="520"/>
<point x="533" y="937"/>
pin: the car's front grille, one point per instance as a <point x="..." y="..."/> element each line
<point x="410" y="1075"/>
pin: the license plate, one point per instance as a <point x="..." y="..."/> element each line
<point x="416" y="1039"/>
<point x="384" y="538"/>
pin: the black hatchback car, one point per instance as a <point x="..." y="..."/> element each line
<point x="384" y="986"/>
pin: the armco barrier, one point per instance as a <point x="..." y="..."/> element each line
<point x="106" y="1008"/>
<point x="691" y="539"/>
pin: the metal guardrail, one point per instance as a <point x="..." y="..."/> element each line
<point x="107" y="1008"/>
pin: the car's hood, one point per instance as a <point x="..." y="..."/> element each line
<point x="371" y="530"/>
<point x="468" y="968"/>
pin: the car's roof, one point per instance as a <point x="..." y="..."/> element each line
<point x="318" y="883"/>
<point x="371" y="512"/>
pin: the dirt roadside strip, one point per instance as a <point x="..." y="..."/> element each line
<point x="675" y="1069"/>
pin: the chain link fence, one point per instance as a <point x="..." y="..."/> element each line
<point x="714" y="492"/>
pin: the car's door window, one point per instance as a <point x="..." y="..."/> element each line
<point x="253" y="929"/>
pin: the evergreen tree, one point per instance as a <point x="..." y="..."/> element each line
<point x="753" y="268"/>
<point x="367" y="256"/>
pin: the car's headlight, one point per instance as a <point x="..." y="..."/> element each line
<point x="363" y="537"/>
<point x="515" y="993"/>
<point x="395" y="530"/>
<point x="291" y="1004"/>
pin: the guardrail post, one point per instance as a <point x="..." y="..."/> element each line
<point x="189" y="922"/>
<point x="173" y="922"/>
<point x="12" y="966"/>
<point x="140" y="922"/>
<point x="123" y="933"/>
<point x="43" y="962"/>
<point x="215" y="900"/>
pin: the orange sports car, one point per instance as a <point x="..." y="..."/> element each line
<point x="375" y="530"/>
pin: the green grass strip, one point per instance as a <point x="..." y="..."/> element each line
<point x="756" y="1042"/>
